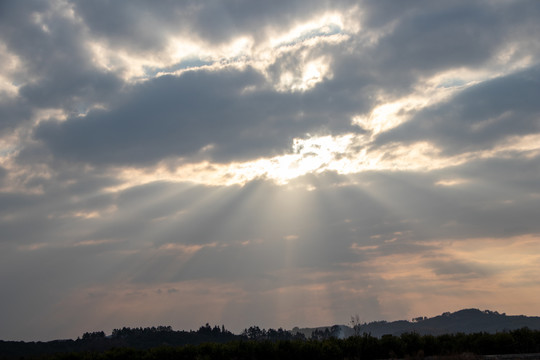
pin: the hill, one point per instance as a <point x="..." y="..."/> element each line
<point x="468" y="321"/>
<point x="465" y="321"/>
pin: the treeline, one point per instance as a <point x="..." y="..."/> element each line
<point x="140" y="339"/>
<point x="409" y="345"/>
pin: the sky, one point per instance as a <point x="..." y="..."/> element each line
<point x="280" y="164"/>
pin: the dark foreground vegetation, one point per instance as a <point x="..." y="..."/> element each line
<point x="254" y="343"/>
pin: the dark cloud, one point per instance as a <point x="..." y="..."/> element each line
<point x="478" y="117"/>
<point x="179" y="116"/>
<point x="71" y="88"/>
<point x="52" y="203"/>
<point x="139" y="25"/>
<point x="430" y="34"/>
<point x="13" y="112"/>
<point x="3" y="173"/>
<point x="143" y="26"/>
<point x="459" y="269"/>
<point x="165" y="117"/>
<point x="436" y="39"/>
<point x="379" y="13"/>
<point x="57" y="69"/>
<point x="516" y="176"/>
<point x="425" y="38"/>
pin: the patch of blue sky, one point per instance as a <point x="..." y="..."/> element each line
<point x="7" y="151"/>
<point x="323" y="31"/>
<point x="452" y="82"/>
<point x="190" y="63"/>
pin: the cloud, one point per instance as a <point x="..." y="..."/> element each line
<point x="13" y="112"/>
<point x="478" y="117"/>
<point x="56" y="67"/>
<point x="158" y="162"/>
<point x="164" y="117"/>
<point x="458" y="269"/>
<point x="143" y="26"/>
<point x="3" y="173"/>
<point x="430" y="39"/>
<point x="203" y="114"/>
<point x="230" y="114"/>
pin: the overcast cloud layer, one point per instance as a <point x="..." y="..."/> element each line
<point x="265" y="163"/>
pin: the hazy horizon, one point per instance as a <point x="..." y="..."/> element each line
<point x="348" y="324"/>
<point x="279" y="164"/>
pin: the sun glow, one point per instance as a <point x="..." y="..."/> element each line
<point x="313" y="154"/>
<point x="344" y="154"/>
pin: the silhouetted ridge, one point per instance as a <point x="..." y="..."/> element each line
<point x="468" y="330"/>
<point x="465" y="321"/>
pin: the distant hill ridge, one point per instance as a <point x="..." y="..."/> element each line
<point x="467" y="321"/>
<point x="463" y="321"/>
